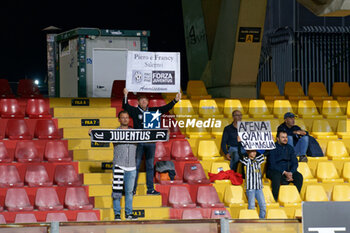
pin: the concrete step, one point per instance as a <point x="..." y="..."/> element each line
<point x="79" y="112"/>
<point x="106" y="178"/>
<point x="93" y="155"/>
<point x="139" y="201"/>
<point x="155" y="213"/>
<point x="67" y="102"/>
<point x="109" y="123"/>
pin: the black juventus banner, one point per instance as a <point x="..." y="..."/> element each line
<point x="129" y="135"/>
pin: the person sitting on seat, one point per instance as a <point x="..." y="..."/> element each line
<point x="297" y="138"/>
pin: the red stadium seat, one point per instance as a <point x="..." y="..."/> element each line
<point x="46" y="199"/>
<point x="28" y="89"/>
<point x="117" y="89"/>
<point x="37" y="108"/>
<point x="17" y="200"/>
<point x="156" y="102"/>
<point x="46" y="129"/>
<point x="27" y="152"/>
<point x="179" y="197"/>
<point x="161" y="153"/>
<point x="2" y="218"/>
<point x="25" y="218"/>
<point x="192" y="214"/>
<point x="133" y="102"/>
<point x="76" y="199"/>
<point x="174" y="129"/>
<point x="9" y="177"/>
<point x="56" y="217"/>
<point x="36" y="175"/>
<point x="17" y="129"/>
<point x="207" y="197"/>
<point x="55" y="151"/>
<point x="4" y="155"/>
<point x="181" y="150"/>
<point x="65" y="175"/>
<point x="5" y="89"/>
<point x="194" y="174"/>
<point x="86" y="216"/>
<point x="220" y="213"/>
<point x="9" y="108"/>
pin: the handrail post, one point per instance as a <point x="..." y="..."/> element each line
<point x="224" y="224"/>
<point x="54" y="227"/>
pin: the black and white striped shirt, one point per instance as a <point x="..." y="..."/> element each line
<point x="253" y="172"/>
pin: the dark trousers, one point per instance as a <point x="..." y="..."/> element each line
<point x="149" y="150"/>
<point x="277" y="179"/>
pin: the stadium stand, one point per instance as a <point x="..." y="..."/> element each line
<point x="5" y="89"/>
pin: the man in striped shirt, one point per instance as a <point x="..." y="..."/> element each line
<point x="254" y="186"/>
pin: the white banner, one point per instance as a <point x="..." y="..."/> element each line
<point x="153" y="72"/>
<point x="255" y="135"/>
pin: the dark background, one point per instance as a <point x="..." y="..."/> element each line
<point x="23" y="43"/>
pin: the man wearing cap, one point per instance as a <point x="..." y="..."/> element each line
<point x="297" y="137"/>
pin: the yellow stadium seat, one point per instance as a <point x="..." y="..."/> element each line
<point x="336" y="149"/>
<point x="276" y="214"/>
<point x="235" y="198"/>
<point x="317" y="89"/>
<point x="209" y="108"/>
<point x="342" y="130"/>
<point x="289" y="196"/>
<point x="198" y="132"/>
<point x="217" y="167"/>
<point x="294" y="91"/>
<point x="280" y="107"/>
<point x="307" y="109"/>
<point x="231" y="105"/>
<point x="340" y="89"/>
<point x="327" y="172"/>
<point x="269" y="89"/>
<point x="184" y="108"/>
<point x="274" y="125"/>
<point x="207" y="150"/>
<point x="341" y="193"/>
<point x="346" y="171"/>
<point x="304" y="169"/>
<point x="322" y="129"/>
<point x="217" y="131"/>
<point x="298" y="213"/>
<point x="300" y="122"/>
<point x="258" y="109"/>
<point x="331" y="109"/>
<point x="196" y="89"/>
<point x="348" y="109"/>
<point x="315" y="193"/>
<point x="248" y="214"/>
<point x="269" y="199"/>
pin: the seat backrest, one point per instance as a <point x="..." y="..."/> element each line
<point x="341" y="192"/>
<point x="25" y="218"/>
<point x="268" y="195"/>
<point x="293" y="89"/>
<point x="27" y="88"/>
<point x="36" y="174"/>
<point x="340" y="89"/>
<point x="248" y="214"/>
<point x="46" y="197"/>
<point x="336" y="149"/>
<point x="258" y="107"/>
<point x="179" y="195"/>
<point x="321" y="126"/>
<point x="4" y="155"/>
<point x="217" y="167"/>
<point x="192" y="214"/>
<point x="207" y="195"/>
<point x="315" y="193"/>
<point x="156" y="103"/>
<point x="280" y="107"/>
<point x="184" y="107"/>
<point x="232" y="105"/>
<point x="181" y="148"/>
<point x="26" y="150"/>
<point x="10" y="107"/>
<point x="269" y="89"/>
<point x="76" y="196"/>
<point x="66" y="173"/>
<point x="331" y="108"/>
<point x="37" y="107"/>
<point x="193" y="171"/>
<point x="207" y="148"/>
<point x="117" y="89"/>
<point x="46" y="128"/>
<point x="5" y="89"/>
<point x="300" y="122"/>
<point x="161" y="152"/>
<point x="55" y="150"/>
<point x="276" y="214"/>
<point x="16" y="197"/>
<point x="86" y="216"/>
<point x="317" y="89"/>
<point x="307" y="107"/>
<point x="342" y="126"/>
<point x="234" y="194"/>
<point x="2" y="219"/>
<point x="9" y="175"/>
<point x="56" y="217"/>
<point x="196" y="88"/>
<point x="288" y="194"/>
<point x="17" y="128"/>
<point x="304" y="169"/>
<point x="208" y="107"/>
<point x="326" y="170"/>
<point x="346" y="170"/>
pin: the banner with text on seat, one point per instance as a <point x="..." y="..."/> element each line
<point x="153" y="72"/>
<point x="255" y="135"/>
<point x="129" y="135"/>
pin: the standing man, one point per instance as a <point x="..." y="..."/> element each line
<point x="229" y="144"/>
<point x="137" y="114"/>
<point x="297" y="138"/>
<point x="282" y="165"/>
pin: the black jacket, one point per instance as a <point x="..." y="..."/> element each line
<point x="136" y="113"/>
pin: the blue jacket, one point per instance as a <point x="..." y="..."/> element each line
<point x="282" y="158"/>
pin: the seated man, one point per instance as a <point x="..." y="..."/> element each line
<point x="282" y="165"/>
<point x="297" y="137"/>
